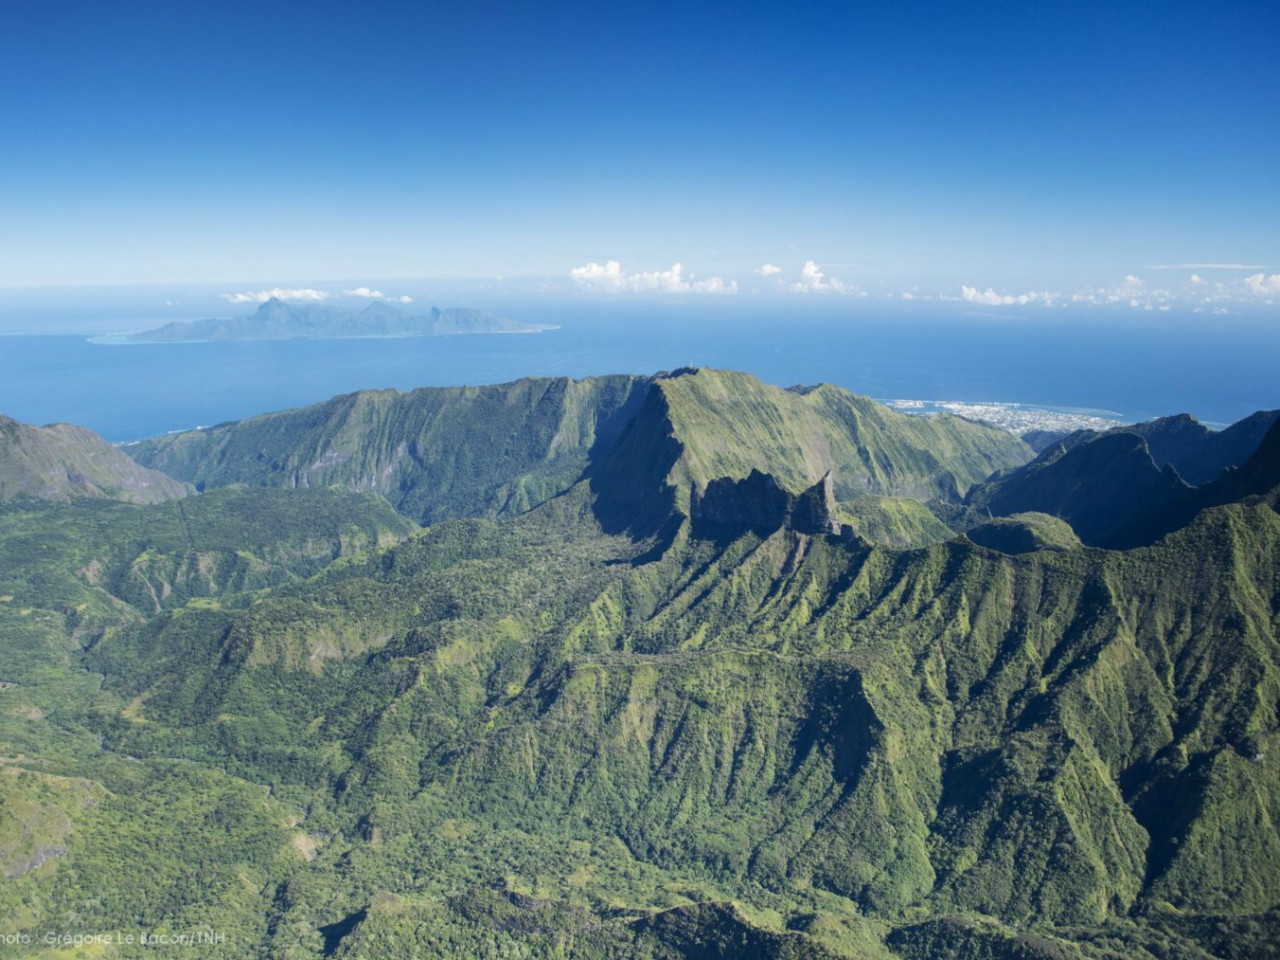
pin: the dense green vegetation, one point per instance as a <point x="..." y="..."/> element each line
<point x="434" y="453"/>
<point x="673" y="710"/>
<point x="1025" y="533"/>
<point x="62" y="462"/>
<point x="72" y="575"/>
<point x="730" y="423"/>
<point x="894" y="521"/>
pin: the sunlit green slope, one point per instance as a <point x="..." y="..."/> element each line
<point x="1079" y="740"/>
<point x="735" y="729"/>
<point x="62" y="462"/>
<point x="434" y="453"/>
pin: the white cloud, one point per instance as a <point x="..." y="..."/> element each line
<point x="666" y="281"/>
<point x="405" y="298"/>
<point x="262" y="296"/>
<point x="610" y="278"/>
<point x="366" y="293"/>
<point x="1262" y="285"/>
<point x="813" y="280"/>
<point x="768" y="270"/>
<point x="989" y="298"/>
<point x="714" y="285"/>
<point x="1204" y="266"/>
<point x="1134" y="292"/>
<point x="608" y="275"/>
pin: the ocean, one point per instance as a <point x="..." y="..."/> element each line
<point x="1129" y="367"/>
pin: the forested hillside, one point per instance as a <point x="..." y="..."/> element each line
<point x="682" y="706"/>
<point x="62" y="462"/>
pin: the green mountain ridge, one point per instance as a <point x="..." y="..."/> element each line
<point x="434" y="453"/>
<point x="1120" y="488"/>
<point x="677" y="703"/>
<point x="63" y="462"/>
<point x="498" y="450"/>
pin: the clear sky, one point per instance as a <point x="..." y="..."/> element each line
<point x="981" y="150"/>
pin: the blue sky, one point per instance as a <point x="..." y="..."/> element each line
<point x="982" y="151"/>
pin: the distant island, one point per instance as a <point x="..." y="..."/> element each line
<point x="277" y="320"/>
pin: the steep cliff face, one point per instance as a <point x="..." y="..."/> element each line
<point x="434" y="453"/>
<point x="761" y="504"/>
<point x="730" y="423"/>
<point x="815" y="510"/>
<point x="64" y="462"/>
<point x="720" y="444"/>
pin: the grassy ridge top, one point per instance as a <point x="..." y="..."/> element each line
<point x="730" y="423"/>
<point x="1025" y="533"/>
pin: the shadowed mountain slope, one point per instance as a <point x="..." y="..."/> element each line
<point x="1097" y="486"/>
<point x="1256" y="477"/>
<point x="1198" y="453"/>
<point x="697" y="427"/>
<point x="1126" y="487"/>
